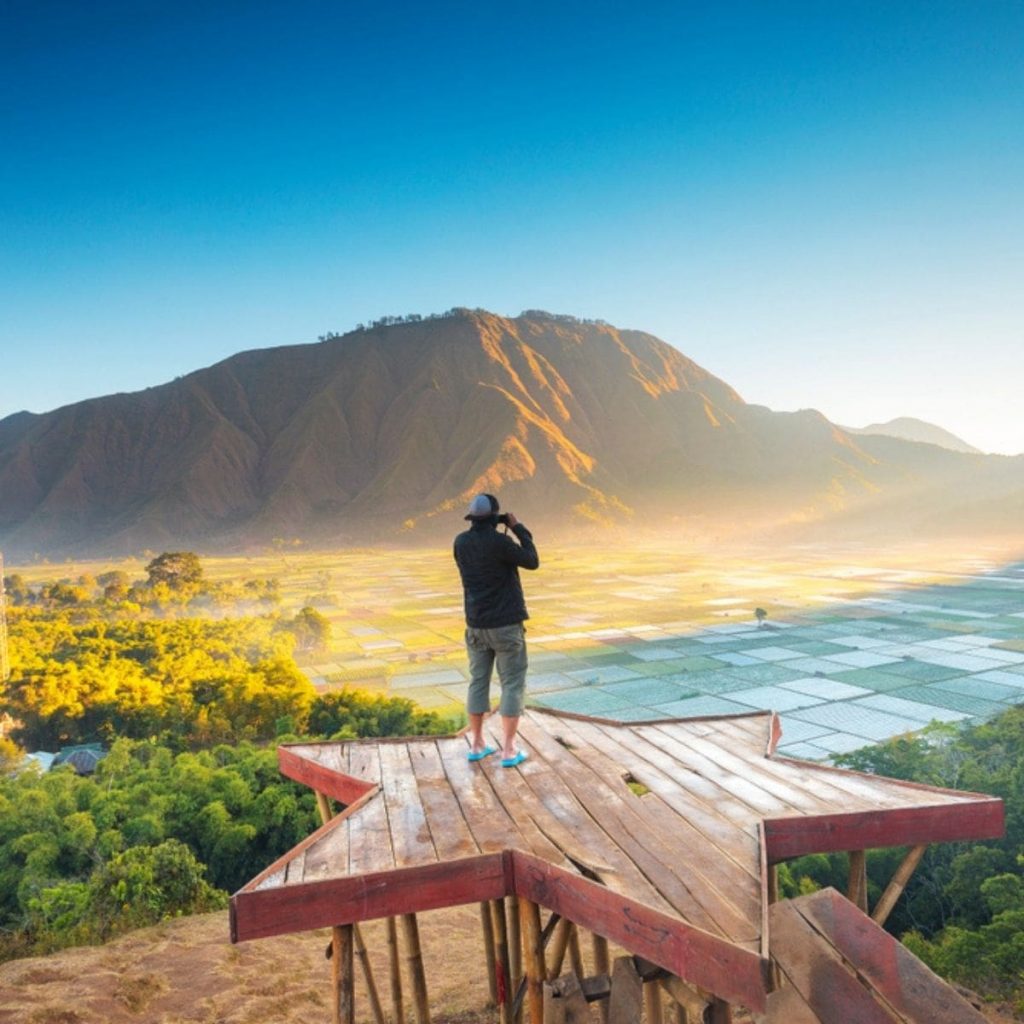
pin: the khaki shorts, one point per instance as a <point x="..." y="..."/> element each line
<point x="506" y="648"/>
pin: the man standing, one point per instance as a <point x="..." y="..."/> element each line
<point x="489" y="564"/>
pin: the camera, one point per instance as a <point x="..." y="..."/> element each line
<point x="503" y="519"/>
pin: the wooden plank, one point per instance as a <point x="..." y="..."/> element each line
<point x="787" y="1006"/>
<point x="891" y="969"/>
<point x="503" y="986"/>
<point x="407" y="822"/>
<point x="395" y="973"/>
<point x="722" y="887"/>
<point x="819" y="974"/>
<point x="621" y="818"/>
<point x="490" y="954"/>
<point x="773" y="779"/>
<point x="452" y="836"/>
<point x="492" y="827"/>
<point x="627" y="993"/>
<point x="738" y="974"/>
<point x="857" y="889"/>
<point x="257" y="914"/>
<point x="826" y="788"/>
<point x="685" y="795"/>
<point x="346" y="788"/>
<point x="866" y="830"/>
<point x="370" y="846"/>
<point x="343" y="975"/>
<point x="328" y="857"/>
<point x="754" y="797"/>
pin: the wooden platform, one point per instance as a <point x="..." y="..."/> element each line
<point x="673" y="867"/>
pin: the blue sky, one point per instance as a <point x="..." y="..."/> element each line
<point x="820" y="203"/>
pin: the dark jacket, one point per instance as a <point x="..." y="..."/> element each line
<point x="489" y="564"/>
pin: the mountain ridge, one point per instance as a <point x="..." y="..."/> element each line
<point x="365" y="436"/>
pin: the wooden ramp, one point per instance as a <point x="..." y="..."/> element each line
<point x="839" y="967"/>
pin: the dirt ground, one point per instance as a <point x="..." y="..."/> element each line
<point x="187" y="972"/>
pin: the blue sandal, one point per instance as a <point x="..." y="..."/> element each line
<point x="517" y="758"/>
<point x="479" y="755"/>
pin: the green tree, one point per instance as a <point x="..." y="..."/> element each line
<point x="178" y="570"/>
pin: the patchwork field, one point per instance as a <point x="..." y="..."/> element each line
<point x="855" y="646"/>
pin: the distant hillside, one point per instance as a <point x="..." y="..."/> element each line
<point x="383" y="433"/>
<point x="909" y="429"/>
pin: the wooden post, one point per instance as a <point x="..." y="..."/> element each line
<point x="772" y="878"/>
<point x="565" y="1002"/>
<point x="602" y="965"/>
<point x="895" y="888"/>
<point x="414" y="959"/>
<point x="533" y="957"/>
<point x="857" y="893"/>
<point x="688" y="1001"/>
<point x="499" y="928"/>
<point x="343" y="975"/>
<point x="627" y="992"/>
<point x="326" y="813"/>
<point x="397" y="1010"/>
<point x="488" y="929"/>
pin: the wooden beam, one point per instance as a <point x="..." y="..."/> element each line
<point x="256" y="914"/>
<point x="685" y="998"/>
<point x="866" y="830"/>
<point x="321" y="778"/>
<point x="533" y="958"/>
<point x="395" y="973"/>
<point x="895" y="888"/>
<point x="414" y="960"/>
<point x="515" y="939"/>
<point x="499" y="928"/>
<point x="715" y="964"/>
<point x="487" y="927"/>
<point x="718" y="1012"/>
<point x="857" y="890"/>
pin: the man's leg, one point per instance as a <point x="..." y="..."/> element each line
<point x="510" y="655"/>
<point x="478" y="700"/>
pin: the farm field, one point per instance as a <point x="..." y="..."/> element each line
<point x="856" y="646"/>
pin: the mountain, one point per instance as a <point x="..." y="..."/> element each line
<point x="383" y="433"/>
<point x="909" y="429"/>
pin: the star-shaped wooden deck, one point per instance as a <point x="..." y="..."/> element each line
<point x="657" y="835"/>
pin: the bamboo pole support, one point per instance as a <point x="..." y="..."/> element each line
<point x="395" y="972"/>
<point x="718" y="1012"/>
<point x="560" y="944"/>
<point x="505" y="992"/>
<point x="602" y="965"/>
<point x="414" y="960"/>
<point x="324" y="806"/>
<point x="575" y="954"/>
<point x="487" y="925"/>
<point x="343" y="975"/>
<point x="515" y="949"/>
<point x="652" y="1002"/>
<point x="533" y="957"/>
<point x="857" y="893"/>
<point x="895" y="888"/>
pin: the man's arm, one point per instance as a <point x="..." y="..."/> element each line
<point x="524" y="554"/>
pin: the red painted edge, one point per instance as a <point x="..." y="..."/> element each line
<point x="866" y="830"/>
<point x="731" y="972"/>
<point x="307" y="905"/>
<point x="328" y="781"/>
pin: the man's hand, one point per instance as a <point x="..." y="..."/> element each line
<point x="512" y="521"/>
